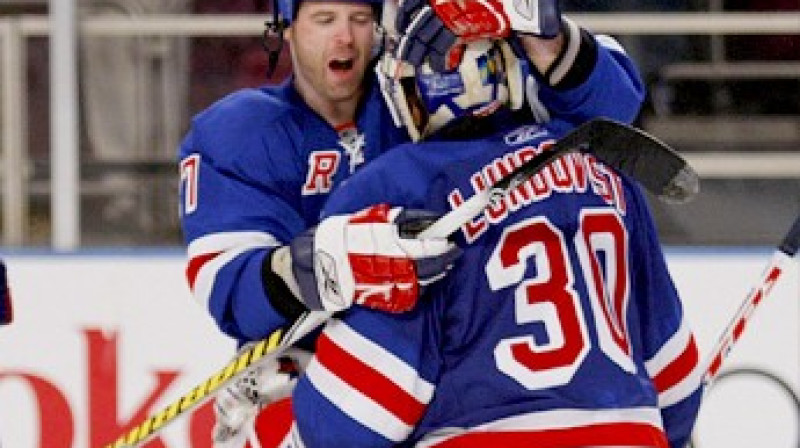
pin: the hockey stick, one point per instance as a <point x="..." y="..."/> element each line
<point x="781" y="258"/>
<point x="637" y="153"/>
<point x="640" y="155"/>
<point x="249" y="357"/>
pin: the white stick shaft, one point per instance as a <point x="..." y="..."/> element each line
<point x="777" y="265"/>
<point x="457" y="217"/>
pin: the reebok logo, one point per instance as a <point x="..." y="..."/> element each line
<point x="328" y="279"/>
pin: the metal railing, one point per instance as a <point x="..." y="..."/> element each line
<point x="14" y="32"/>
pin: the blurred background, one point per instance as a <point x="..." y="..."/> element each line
<point x="723" y="82"/>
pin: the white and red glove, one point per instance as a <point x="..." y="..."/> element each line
<point x="237" y="405"/>
<point x="429" y="29"/>
<point x="363" y="259"/>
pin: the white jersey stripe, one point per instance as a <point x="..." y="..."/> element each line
<point x="683" y="388"/>
<point x="355" y="404"/>
<point x="380" y="359"/>
<point x="230" y="245"/>
<point x="670" y="351"/>
<point x="610" y="43"/>
<point x="223" y="241"/>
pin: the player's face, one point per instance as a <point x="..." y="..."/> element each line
<point x="331" y="44"/>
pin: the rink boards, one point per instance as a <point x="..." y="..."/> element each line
<point x="103" y="339"/>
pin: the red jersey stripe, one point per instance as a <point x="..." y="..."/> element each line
<point x="679" y="368"/>
<point x="368" y="381"/>
<point x="197" y="263"/>
<point x="607" y="434"/>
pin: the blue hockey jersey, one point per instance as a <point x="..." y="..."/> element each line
<point x="257" y="166"/>
<point x="559" y="326"/>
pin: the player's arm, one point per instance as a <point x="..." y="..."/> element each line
<point x="373" y="373"/>
<point x="240" y="401"/>
<point x="364" y="258"/>
<point x="574" y="74"/>
<point x="577" y="76"/>
<point x="232" y="220"/>
<point x="368" y="384"/>
<point x="670" y="352"/>
<point x="255" y="267"/>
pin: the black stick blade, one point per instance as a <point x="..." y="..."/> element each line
<point x="649" y="161"/>
<point x="653" y="163"/>
<point x="791" y="242"/>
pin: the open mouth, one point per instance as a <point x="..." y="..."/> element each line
<point x="341" y="64"/>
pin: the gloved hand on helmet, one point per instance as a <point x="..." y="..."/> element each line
<point x="431" y="29"/>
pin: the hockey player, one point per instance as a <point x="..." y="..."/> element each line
<point x="6" y="311"/>
<point x="258" y="165"/>
<point x="559" y="326"/>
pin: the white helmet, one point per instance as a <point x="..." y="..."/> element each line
<point x="489" y="76"/>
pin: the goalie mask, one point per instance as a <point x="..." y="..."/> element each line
<point x="489" y="76"/>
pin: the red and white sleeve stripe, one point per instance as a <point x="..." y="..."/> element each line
<point x="208" y="254"/>
<point x="676" y="369"/>
<point x="368" y="382"/>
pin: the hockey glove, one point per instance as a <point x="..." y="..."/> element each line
<point x="237" y="404"/>
<point x="431" y="28"/>
<point x="363" y="258"/>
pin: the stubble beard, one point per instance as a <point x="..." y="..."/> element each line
<point x="323" y="84"/>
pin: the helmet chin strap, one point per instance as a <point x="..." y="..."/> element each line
<point x="272" y="39"/>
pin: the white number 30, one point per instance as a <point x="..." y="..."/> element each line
<point x="549" y="297"/>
